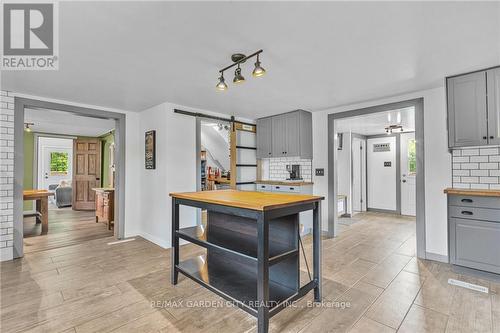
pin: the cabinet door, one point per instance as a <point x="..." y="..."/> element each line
<point x="475" y="244"/>
<point x="292" y="136"/>
<point x="278" y="136"/>
<point x="264" y="138"/>
<point x="467" y="122"/>
<point x="493" y="79"/>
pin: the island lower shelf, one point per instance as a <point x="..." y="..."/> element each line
<point x="236" y="285"/>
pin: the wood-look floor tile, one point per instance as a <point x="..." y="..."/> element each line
<point x="387" y="270"/>
<point x="366" y="325"/>
<point x="422" y="320"/>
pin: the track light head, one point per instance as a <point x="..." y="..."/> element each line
<point x="258" y="70"/>
<point x="221" y="86"/>
<point x="238" y="78"/>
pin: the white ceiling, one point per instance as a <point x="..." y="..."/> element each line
<point x="59" y="122"/>
<point x="376" y="123"/>
<point x="133" y="55"/>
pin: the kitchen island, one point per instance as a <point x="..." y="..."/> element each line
<point x="252" y="248"/>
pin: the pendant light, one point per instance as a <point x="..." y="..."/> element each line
<point x="258" y="70"/>
<point x="27" y="127"/>
<point x="221" y="86"/>
<point x="238" y="78"/>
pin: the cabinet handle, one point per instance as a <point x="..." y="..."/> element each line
<point x="467" y="200"/>
<point x="492" y="137"/>
<point x="466" y="212"/>
<point x="291" y="189"/>
<point x="277" y="187"/>
<point x="485" y="137"/>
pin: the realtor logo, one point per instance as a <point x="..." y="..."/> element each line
<point x="30" y="36"/>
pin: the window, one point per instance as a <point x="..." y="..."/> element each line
<point x="412" y="157"/>
<point x="58" y="163"/>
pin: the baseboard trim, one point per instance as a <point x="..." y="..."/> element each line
<point x="153" y="239"/>
<point x="387" y="211"/>
<point x="436" y="257"/>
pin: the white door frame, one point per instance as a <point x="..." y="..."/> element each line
<point x="36" y="136"/>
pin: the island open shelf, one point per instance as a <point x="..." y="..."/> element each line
<point x="252" y="243"/>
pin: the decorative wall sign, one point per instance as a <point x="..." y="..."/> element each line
<point x="150" y="152"/>
<point x="380" y="147"/>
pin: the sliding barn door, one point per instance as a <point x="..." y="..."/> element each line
<point x="86" y="172"/>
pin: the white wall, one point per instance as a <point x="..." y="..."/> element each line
<point x="175" y="170"/>
<point x="437" y="160"/>
<point x="381" y="179"/>
<point x="344" y="170"/>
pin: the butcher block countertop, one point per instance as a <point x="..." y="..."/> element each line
<point x="260" y="201"/>
<point x="284" y="182"/>
<point x="479" y="193"/>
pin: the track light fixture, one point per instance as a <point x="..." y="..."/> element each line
<point x="238" y="78"/>
<point x="258" y="70"/>
<point x="391" y="128"/>
<point x="221" y="86"/>
<point x="238" y="59"/>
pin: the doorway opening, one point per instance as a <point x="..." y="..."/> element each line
<point x="376" y="168"/>
<point x="68" y="175"/>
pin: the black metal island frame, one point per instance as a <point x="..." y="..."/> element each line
<point x="252" y="248"/>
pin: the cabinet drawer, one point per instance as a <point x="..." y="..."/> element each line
<point x="474" y="213"/>
<point x="286" y="188"/>
<point x="264" y="188"/>
<point x="474" y="201"/>
<point x="475" y="244"/>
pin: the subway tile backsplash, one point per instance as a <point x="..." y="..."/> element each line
<point x="476" y="168"/>
<point x="277" y="168"/>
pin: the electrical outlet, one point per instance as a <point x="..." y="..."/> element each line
<point x="320" y="172"/>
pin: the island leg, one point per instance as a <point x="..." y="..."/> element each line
<point x="262" y="274"/>
<point x="317" y="250"/>
<point x="174" y="273"/>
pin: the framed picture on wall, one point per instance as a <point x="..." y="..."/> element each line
<point x="150" y="149"/>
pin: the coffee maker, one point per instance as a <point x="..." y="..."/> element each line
<point x="294" y="171"/>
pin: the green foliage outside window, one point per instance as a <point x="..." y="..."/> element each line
<point x="412" y="156"/>
<point x="58" y="163"/>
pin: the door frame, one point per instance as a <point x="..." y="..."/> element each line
<point x="364" y="175"/>
<point x="400" y="173"/>
<point x="20" y="103"/>
<point x="418" y="104"/>
<point x="36" y="157"/>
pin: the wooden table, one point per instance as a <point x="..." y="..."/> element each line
<point x="42" y="206"/>
<point x="253" y="254"/>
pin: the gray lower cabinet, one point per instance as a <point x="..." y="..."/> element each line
<point x="474" y="232"/>
<point x="285" y="135"/>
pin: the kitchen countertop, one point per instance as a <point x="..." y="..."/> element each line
<point x="260" y="201"/>
<point x="479" y="193"/>
<point x="284" y="182"/>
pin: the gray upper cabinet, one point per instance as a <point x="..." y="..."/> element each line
<point x="467" y="112"/>
<point x="288" y="135"/>
<point x="493" y="83"/>
<point x="278" y="133"/>
<point x="264" y="139"/>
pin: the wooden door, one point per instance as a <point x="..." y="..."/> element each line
<point x="86" y="172"/>
<point x="493" y="76"/>
<point x="467" y="119"/>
